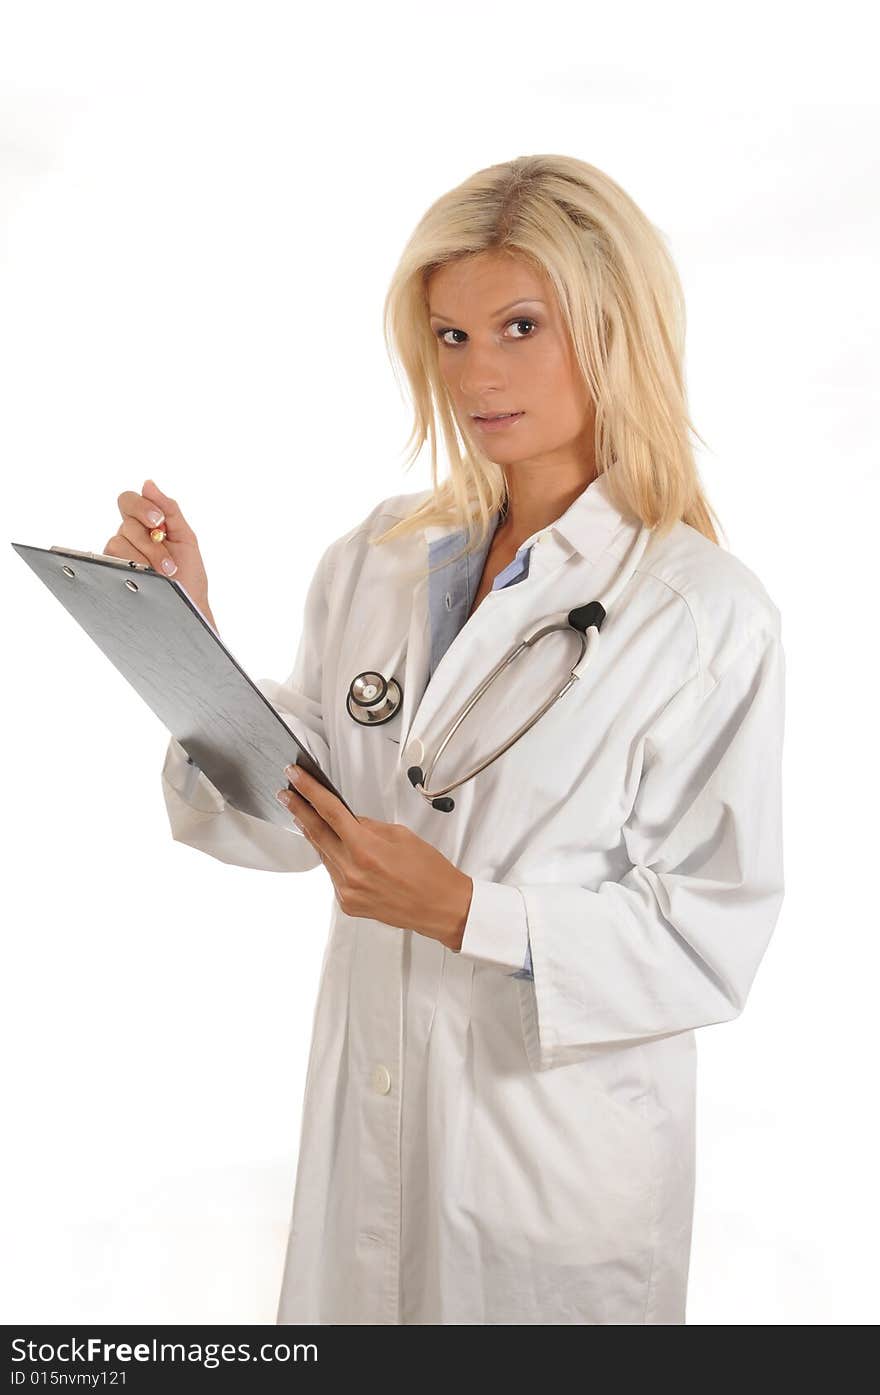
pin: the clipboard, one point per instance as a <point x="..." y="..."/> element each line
<point x="155" y="635"/>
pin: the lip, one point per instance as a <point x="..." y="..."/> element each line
<point x="499" y="424"/>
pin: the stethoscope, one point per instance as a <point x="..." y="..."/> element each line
<point x="373" y="700"/>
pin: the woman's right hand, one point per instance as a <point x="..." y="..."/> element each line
<point x="177" y="556"/>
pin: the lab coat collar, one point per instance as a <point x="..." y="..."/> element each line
<point x="587" y="526"/>
<point x="592" y="520"/>
<point x="590" y="527"/>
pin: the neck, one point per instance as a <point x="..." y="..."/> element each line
<point x="536" y="498"/>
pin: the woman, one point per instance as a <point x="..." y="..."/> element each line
<point x="498" y="1121"/>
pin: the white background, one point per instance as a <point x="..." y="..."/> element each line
<point x="201" y="207"/>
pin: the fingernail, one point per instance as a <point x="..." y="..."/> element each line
<point x="155" y="517"/>
<point x="292" y="773"/>
<point x="281" y="796"/>
<point x="169" y="566"/>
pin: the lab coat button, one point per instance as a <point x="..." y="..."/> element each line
<point x="415" y="752"/>
<point x="381" y="1080"/>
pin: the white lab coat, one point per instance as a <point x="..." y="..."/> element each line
<point x="479" y="1147"/>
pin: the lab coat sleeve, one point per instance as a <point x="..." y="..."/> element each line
<point x="197" y="812"/>
<point x="674" y="944"/>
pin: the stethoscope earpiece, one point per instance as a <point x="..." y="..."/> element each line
<point x="416" y="776"/>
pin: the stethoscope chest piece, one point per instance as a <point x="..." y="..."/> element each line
<point x="373" y="699"/>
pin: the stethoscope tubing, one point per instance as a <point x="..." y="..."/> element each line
<point x="585" y="621"/>
<point x="587" y="640"/>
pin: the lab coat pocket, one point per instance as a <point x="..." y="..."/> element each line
<point x="369" y="759"/>
<point x="555" y="1172"/>
<point x="391" y="729"/>
<point x="368" y="751"/>
<point x="528" y="1013"/>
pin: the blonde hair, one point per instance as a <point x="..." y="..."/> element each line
<point x="622" y="301"/>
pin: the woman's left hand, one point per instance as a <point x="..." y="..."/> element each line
<point x="381" y="870"/>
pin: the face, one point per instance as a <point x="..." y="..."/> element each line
<point x="503" y="346"/>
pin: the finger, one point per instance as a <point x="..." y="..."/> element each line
<point x="175" y="524"/>
<point x="121" y="547"/>
<point x="159" y="557"/>
<point x="331" y="809"/>
<point x="319" y="833"/>
<point x="148" y="512"/>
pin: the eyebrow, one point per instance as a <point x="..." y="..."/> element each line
<point x="525" y="300"/>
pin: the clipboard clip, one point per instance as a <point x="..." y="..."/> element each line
<point x="102" y="557"/>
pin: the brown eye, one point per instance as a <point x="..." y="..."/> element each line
<point x="441" y="332"/>
<point x="523" y="320"/>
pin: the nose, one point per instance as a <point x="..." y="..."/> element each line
<point x="482" y="372"/>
